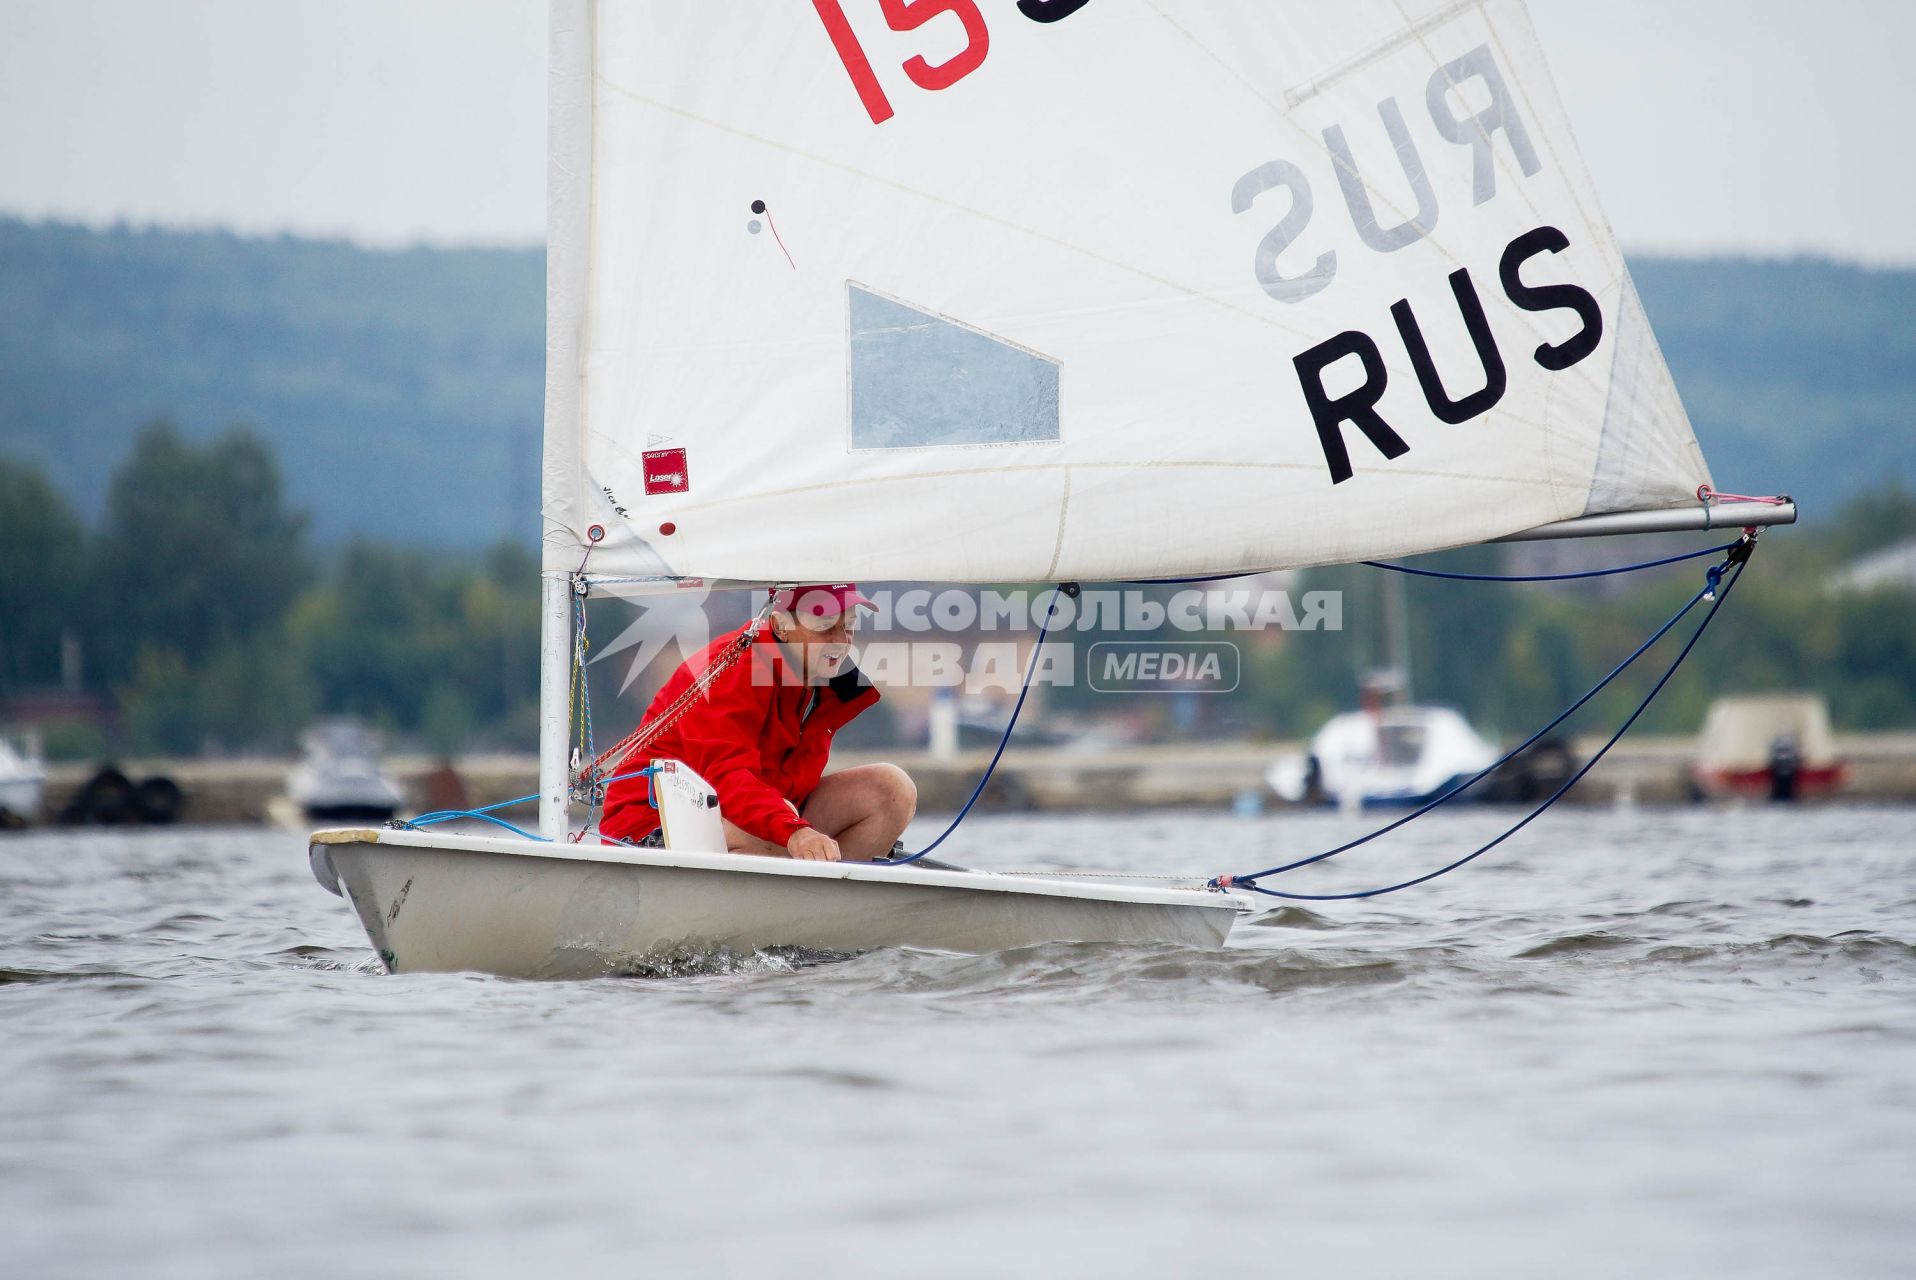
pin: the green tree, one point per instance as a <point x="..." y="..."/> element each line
<point x="1874" y="519"/>
<point x="199" y="547"/>
<point x="160" y="711"/>
<point x="417" y="645"/>
<point x="42" y="566"/>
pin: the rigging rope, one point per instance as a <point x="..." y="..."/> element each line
<point x="615" y="755"/>
<point x="1550" y="577"/>
<point x="1031" y="669"/>
<point x="1502" y="577"/>
<point x="582" y="747"/>
<point x="1715" y="591"/>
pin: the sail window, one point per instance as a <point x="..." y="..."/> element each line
<point x="920" y="380"/>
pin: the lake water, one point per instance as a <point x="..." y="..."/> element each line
<point x="1675" y="1043"/>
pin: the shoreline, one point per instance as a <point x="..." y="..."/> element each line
<point x="1646" y="770"/>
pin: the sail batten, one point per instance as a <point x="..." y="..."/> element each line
<point x="1154" y="289"/>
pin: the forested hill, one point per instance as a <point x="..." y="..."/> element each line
<point x="402" y="390"/>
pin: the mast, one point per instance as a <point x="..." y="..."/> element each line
<point x="555" y="658"/>
<point x="568" y="264"/>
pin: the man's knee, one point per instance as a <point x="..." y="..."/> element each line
<point x="900" y="792"/>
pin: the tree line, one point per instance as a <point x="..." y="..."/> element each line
<point x="200" y="609"/>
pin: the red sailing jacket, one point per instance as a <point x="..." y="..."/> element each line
<point x="758" y="736"/>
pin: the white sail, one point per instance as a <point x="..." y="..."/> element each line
<point x="936" y="289"/>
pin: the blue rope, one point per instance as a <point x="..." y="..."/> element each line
<point x="1185" y="582"/>
<point x="1031" y="669"/>
<point x="1506" y="758"/>
<point x="1550" y="577"/>
<point x="484" y="813"/>
<point x="1709" y="592"/>
<point x="447" y="815"/>
<point x="440" y="815"/>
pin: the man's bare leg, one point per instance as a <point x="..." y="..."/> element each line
<point x="739" y="841"/>
<point x="865" y="809"/>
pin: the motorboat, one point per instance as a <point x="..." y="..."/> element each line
<point x="1776" y="746"/>
<point x="339" y="779"/>
<point x="1396" y="755"/>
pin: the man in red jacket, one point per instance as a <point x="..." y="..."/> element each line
<point x="761" y="735"/>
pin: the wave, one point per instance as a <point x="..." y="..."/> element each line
<point x="1855" y="945"/>
<point x="1292" y="918"/>
<point x="1578" y="944"/>
<point x="13" y="976"/>
<point x="1083" y="970"/>
<point x="709" y="962"/>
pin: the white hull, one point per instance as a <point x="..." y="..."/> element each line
<point x="20" y="795"/>
<point x="362" y="794"/>
<point x="23" y="783"/>
<point x="1397" y="755"/>
<point x="530" y="909"/>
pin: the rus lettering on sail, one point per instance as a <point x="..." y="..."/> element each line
<point x="1393" y="203"/>
<point x="1476" y="132"/>
<point x="1358" y="407"/>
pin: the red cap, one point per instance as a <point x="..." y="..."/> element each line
<point x="821" y="599"/>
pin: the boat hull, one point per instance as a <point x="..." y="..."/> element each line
<point x="526" y="909"/>
<point x="1811" y="782"/>
<point x="20" y="797"/>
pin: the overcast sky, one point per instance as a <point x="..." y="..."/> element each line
<point x="1767" y="126"/>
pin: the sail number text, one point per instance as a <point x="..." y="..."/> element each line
<point x="909" y="15"/>
<point x="1482" y="131"/>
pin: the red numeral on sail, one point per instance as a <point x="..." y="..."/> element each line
<point x="909" y="15"/>
<point x="906" y="15"/>
<point x="857" y="66"/>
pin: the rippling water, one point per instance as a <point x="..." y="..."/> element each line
<point x="1676" y="1043"/>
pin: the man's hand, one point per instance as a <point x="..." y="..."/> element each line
<point x="812" y="845"/>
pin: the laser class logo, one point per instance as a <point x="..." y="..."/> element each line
<point x="665" y="471"/>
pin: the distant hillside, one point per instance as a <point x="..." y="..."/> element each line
<point x="1800" y="374"/>
<point x="403" y="389"/>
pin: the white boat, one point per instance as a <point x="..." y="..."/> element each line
<point x="23" y="782"/>
<point x="1392" y="751"/>
<point x="536" y="909"/>
<point x="339" y="779"/>
<point x="832" y="298"/>
<point x="1393" y="755"/>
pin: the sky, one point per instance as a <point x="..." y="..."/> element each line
<point x="1710" y="126"/>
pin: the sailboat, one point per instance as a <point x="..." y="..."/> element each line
<point x="870" y="290"/>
